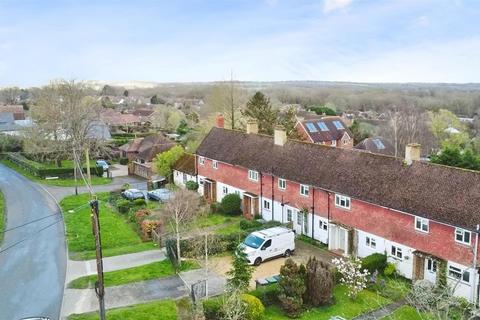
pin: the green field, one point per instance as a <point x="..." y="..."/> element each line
<point x="149" y="271"/>
<point x="165" y="310"/>
<point x="118" y="233"/>
<point x="70" y="182"/>
<point x="344" y="306"/>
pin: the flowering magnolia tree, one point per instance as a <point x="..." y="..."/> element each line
<point x="352" y="276"/>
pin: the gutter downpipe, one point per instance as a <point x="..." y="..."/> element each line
<point x="475" y="272"/>
<point x="273" y="197"/>
<point x="328" y="219"/>
<point x="261" y="194"/>
<point x="313" y="213"/>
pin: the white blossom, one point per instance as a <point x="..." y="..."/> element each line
<point x="352" y="276"/>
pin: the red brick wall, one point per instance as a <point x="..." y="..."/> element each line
<point x="386" y="223"/>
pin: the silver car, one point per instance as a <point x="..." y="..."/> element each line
<point x="133" y="194"/>
<point x="162" y="195"/>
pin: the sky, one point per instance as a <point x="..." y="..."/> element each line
<point x="257" y="40"/>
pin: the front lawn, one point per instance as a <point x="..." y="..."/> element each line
<point x="343" y="306"/>
<point x="165" y="310"/>
<point x="2" y="215"/>
<point x="61" y="182"/>
<point x="407" y="313"/>
<point x="149" y="271"/>
<point x="118" y="233"/>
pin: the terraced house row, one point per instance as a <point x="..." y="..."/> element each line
<point x="423" y="216"/>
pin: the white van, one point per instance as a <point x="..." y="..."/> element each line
<point x="269" y="243"/>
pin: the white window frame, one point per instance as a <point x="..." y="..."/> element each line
<point x="396" y="252"/>
<point x="282" y="184"/>
<point x="462" y="232"/>
<point x="225" y="190"/>
<point x="201" y="161"/>
<point x="458" y="274"/>
<point x="214" y="164"/>
<point x="253" y="175"/>
<point x="289" y="215"/>
<point x="341" y="198"/>
<point x="304" y="190"/>
<point x="371" y="242"/>
<point x="422" y="224"/>
<point x="431" y="265"/>
<point x="266" y="204"/>
<point x="323" y="225"/>
<point x="334" y="143"/>
<point x="299" y="218"/>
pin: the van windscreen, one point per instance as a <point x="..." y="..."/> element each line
<point x="253" y="241"/>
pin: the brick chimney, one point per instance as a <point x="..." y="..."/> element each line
<point x="412" y="152"/>
<point x="220" y="121"/>
<point x="252" y="126"/>
<point x="280" y="136"/>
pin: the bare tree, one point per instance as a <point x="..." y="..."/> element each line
<point x="179" y="211"/>
<point x="10" y="95"/>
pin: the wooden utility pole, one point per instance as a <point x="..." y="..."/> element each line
<point x="99" y="288"/>
<point x="75" y="166"/>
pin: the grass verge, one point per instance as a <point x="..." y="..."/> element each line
<point x="56" y="182"/>
<point x="118" y="233"/>
<point x="149" y="271"/>
<point x="165" y="310"/>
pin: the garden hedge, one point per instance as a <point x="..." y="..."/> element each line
<point x="376" y="261"/>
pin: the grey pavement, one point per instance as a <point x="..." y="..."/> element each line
<point x="381" y="312"/>
<point x="61" y="192"/>
<point x="85" y="300"/>
<point x="78" y="269"/>
<point x="32" y="257"/>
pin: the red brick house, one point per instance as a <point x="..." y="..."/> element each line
<point x="329" y="130"/>
<point x="17" y="110"/>
<point x="423" y="216"/>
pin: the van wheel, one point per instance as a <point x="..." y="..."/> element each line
<point x="257" y="261"/>
<point x="287" y="253"/>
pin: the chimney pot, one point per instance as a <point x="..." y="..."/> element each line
<point x="280" y="136"/>
<point x="220" y="121"/>
<point x="412" y="152"/>
<point x="252" y="126"/>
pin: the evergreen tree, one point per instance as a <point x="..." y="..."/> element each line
<point x="319" y="282"/>
<point x="125" y="93"/>
<point x="260" y="109"/>
<point x="240" y="274"/>
<point x="291" y="288"/>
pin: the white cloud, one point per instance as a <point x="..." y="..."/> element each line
<point x="332" y="5"/>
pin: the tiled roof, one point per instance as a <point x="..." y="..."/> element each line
<point x="376" y="145"/>
<point x="436" y="192"/>
<point x="147" y="148"/>
<point x="186" y="164"/>
<point x="325" y="128"/>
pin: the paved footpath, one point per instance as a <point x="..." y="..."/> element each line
<point x="381" y="312"/>
<point x="77" y="269"/>
<point x="85" y="300"/>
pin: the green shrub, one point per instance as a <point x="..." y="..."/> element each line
<point x="390" y="269"/>
<point x="192" y="185"/>
<point x="123" y="206"/>
<point x="267" y="294"/>
<point x="212" y="308"/>
<point x="214" y="207"/>
<point x="123" y="161"/>
<point x="231" y="204"/>
<point x="376" y="261"/>
<point x="218" y="243"/>
<point x="139" y="202"/>
<point x="250" y="224"/>
<point x="291" y="288"/>
<point x="254" y="307"/>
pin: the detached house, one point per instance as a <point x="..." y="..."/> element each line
<point x="325" y="130"/>
<point x="423" y="216"/>
<point x="142" y="151"/>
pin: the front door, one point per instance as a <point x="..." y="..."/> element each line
<point x="338" y="239"/>
<point x="430" y="273"/>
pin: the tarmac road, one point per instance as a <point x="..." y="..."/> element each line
<point x="32" y="257"/>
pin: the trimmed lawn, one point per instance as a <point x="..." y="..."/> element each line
<point x="2" y="215"/>
<point x="366" y="301"/>
<point x="149" y="271"/>
<point x="165" y="310"/>
<point x="118" y="233"/>
<point x="407" y="313"/>
<point x="213" y="219"/>
<point x="56" y="182"/>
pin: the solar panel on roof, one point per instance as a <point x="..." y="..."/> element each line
<point x="311" y="127"/>
<point x="322" y="126"/>
<point x="338" y="125"/>
<point x="379" y="144"/>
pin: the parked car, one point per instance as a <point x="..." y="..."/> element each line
<point x="103" y="164"/>
<point x="132" y="194"/>
<point x="162" y="195"/>
<point x="267" y="244"/>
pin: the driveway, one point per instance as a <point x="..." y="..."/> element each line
<point x="61" y="192"/>
<point x="32" y="257"/>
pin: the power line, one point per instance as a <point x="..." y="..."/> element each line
<point x="27" y="238"/>
<point x="27" y="223"/>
